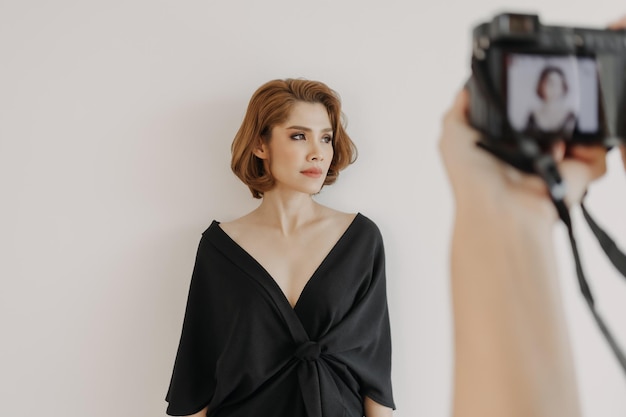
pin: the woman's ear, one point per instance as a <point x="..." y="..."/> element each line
<point x="260" y="149"/>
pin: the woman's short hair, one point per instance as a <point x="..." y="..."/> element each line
<point x="544" y="74"/>
<point x="271" y="105"/>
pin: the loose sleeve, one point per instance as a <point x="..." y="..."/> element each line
<point x="363" y="338"/>
<point x="192" y="383"/>
<point x="376" y="374"/>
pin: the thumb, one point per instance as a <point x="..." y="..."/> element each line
<point x="577" y="176"/>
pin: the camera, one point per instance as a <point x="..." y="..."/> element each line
<point x="547" y="83"/>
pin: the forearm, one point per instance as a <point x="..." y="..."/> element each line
<point x="201" y="413"/>
<point x="512" y="355"/>
<point x="373" y="409"/>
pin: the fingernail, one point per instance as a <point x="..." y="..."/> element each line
<point x="558" y="151"/>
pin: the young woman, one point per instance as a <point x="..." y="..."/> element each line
<point x="287" y="311"/>
<point x="554" y="116"/>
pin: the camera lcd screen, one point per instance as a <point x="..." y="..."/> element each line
<point x="552" y="95"/>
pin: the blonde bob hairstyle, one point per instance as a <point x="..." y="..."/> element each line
<point x="271" y="105"/>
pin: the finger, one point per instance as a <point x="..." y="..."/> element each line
<point x="558" y="151"/>
<point x="456" y="133"/>
<point x="529" y="183"/>
<point x="464" y="162"/>
<point x="592" y="156"/>
<point x="458" y="111"/>
<point x="577" y="176"/>
<point x="618" y="24"/>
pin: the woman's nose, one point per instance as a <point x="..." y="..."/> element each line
<point x="315" y="153"/>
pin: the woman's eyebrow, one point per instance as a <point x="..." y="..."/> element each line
<point x="308" y="129"/>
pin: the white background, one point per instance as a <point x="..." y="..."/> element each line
<point x="116" y="119"/>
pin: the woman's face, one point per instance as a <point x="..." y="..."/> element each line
<point x="552" y="86"/>
<point x="299" y="151"/>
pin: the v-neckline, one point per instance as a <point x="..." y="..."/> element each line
<point x="271" y="278"/>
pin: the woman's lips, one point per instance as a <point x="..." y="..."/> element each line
<point x="312" y="172"/>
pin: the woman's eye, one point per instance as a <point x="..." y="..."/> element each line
<point x="298" y="136"/>
<point x="327" y="139"/>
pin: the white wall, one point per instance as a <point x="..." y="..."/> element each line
<point x="116" y="119"/>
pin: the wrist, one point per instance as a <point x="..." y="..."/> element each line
<point x="510" y="208"/>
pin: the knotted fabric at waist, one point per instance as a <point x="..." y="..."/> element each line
<point x="308" y="351"/>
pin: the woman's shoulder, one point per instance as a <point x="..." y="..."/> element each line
<point x="531" y="123"/>
<point x="210" y="238"/>
<point x="368" y="226"/>
<point x="212" y="227"/>
<point x="234" y="228"/>
<point x="336" y="216"/>
<point x="350" y="218"/>
<point x="358" y="226"/>
<point x="348" y="221"/>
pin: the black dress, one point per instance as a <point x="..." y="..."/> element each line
<point x="563" y="131"/>
<point x="244" y="351"/>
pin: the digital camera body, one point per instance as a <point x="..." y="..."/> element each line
<point x="547" y="83"/>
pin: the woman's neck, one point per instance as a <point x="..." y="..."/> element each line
<point x="551" y="114"/>
<point x="287" y="211"/>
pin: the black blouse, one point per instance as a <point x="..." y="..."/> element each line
<point x="244" y="351"/>
<point x="564" y="131"/>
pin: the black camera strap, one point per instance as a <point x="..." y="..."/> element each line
<point x="546" y="167"/>
<point x="527" y="157"/>
<point x="617" y="257"/>
<point x="582" y="281"/>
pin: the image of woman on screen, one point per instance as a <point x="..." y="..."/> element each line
<point x="554" y="115"/>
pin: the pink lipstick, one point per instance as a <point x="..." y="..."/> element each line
<point x="312" y="172"/>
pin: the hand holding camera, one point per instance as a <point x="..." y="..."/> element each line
<point x="528" y="134"/>
<point x="478" y="179"/>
